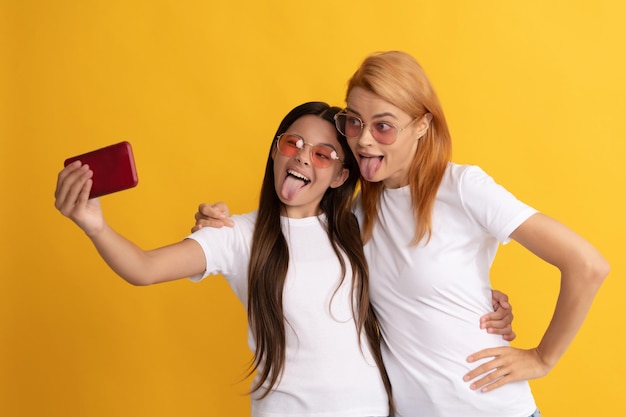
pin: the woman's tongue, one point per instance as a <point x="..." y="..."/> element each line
<point x="291" y="186"/>
<point x="369" y="166"/>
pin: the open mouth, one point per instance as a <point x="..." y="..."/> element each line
<point x="369" y="164"/>
<point x="298" y="176"/>
<point x="294" y="182"/>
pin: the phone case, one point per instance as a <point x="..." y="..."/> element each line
<point x="113" y="168"/>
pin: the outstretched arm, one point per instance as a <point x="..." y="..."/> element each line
<point x="135" y="265"/>
<point x="582" y="269"/>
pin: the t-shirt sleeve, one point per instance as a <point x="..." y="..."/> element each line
<point x="492" y="206"/>
<point x="226" y="250"/>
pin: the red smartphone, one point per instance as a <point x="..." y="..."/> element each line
<point x="113" y="168"/>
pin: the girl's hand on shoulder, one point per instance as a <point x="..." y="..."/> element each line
<point x="499" y="321"/>
<point x="212" y="215"/>
<point x="508" y="364"/>
<point x="72" y="198"/>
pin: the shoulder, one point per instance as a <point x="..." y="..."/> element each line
<point x="459" y="179"/>
<point x="242" y="230"/>
<point x="481" y="198"/>
<point x="473" y="189"/>
<point x="457" y="174"/>
<point x="245" y="221"/>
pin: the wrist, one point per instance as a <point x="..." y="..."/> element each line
<point x="545" y="359"/>
<point x="96" y="231"/>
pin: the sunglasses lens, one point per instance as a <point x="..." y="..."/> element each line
<point x="289" y="145"/>
<point x="384" y="133"/>
<point x="349" y="126"/>
<point x="323" y="156"/>
<point x="352" y="127"/>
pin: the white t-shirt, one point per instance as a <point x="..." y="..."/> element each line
<point x="326" y="373"/>
<point x="429" y="298"/>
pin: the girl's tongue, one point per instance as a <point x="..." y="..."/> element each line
<point x="369" y="166"/>
<point x="291" y="186"/>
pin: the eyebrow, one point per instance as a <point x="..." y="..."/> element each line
<point x="376" y="116"/>
<point x="330" y="145"/>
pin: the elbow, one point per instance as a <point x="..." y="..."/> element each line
<point x="140" y="280"/>
<point x="595" y="271"/>
<point x="601" y="271"/>
<point x="138" y="283"/>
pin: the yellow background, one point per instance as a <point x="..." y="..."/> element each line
<point x="533" y="90"/>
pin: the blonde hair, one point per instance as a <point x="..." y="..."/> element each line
<point x="398" y="78"/>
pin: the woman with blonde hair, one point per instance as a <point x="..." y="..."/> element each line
<point x="432" y="229"/>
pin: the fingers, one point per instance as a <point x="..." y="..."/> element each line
<point x="492" y="381"/>
<point x="222" y="207"/>
<point x="495" y="324"/>
<point x="499" y="321"/>
<point x="218" y="210"/>
<point x="212" y="215"/>
<point x="507" y="333"/>
<point x="59" y="191"/>
<point x="73" y="186"/>
<point x="499" y="298"/>
<point x="493" y="372"/>
<point x="510" y="336"/>
<point x="486" y="353"/>
<point x="215" y="223"/>
<point x="507" y="365"/>
<point x="499" y="328"/>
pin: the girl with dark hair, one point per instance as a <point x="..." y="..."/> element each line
<point x="296" y="263"/>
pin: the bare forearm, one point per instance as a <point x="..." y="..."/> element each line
<point x="573" y="304"/>
<point x="123" y="256"/>
<point x="139" y="267"/>
<point x="583" y="270"/>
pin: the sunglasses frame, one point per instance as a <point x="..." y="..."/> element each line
<point x="314" y="159"/>
<point x="344" y="113"/>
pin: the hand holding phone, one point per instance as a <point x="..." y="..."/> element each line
<point x="113" y="168"/>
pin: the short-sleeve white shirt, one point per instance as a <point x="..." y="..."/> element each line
<point x="327" y="373"/>
<point x="429" y="298"/>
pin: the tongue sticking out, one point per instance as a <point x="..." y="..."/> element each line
<point x="369" y="166"/>
<point x="291" y="186"/>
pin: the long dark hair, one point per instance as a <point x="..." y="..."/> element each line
<point x="270" y="258"/>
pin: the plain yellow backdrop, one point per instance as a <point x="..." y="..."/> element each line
<point x="533" y="92"/>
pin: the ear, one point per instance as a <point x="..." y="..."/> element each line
<point x="341" y="177"/>
<point x="423" y="124"/>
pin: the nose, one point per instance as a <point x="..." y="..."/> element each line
<point x="365" y="139"/>
<point x="304" y="155"/>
